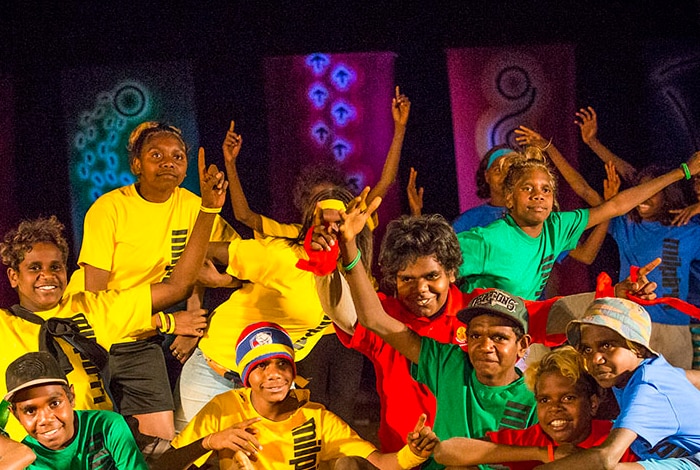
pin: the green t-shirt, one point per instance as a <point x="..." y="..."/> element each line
<point x="501" y="255"/>
<point x="102" y="441"/>
<point x="465" y="406"/>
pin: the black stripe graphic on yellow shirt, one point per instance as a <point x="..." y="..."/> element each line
<point x="178" y="240"/>
<point x="86" y="330"/>
<point x="306" y="446"/>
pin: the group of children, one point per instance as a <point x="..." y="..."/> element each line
<point x="447" y="337"/>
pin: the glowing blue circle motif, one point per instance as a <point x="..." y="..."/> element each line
<point x="341" y="149"/>
<point x="125" y="179"/>
<point x="356" y="181"/>
<point x="342" y="113"/>
<point x="320" y="133"/>
<point x="342" y="77"/>
<point x="91" y="133"/>
<point x="318" y="94"/>
<point x="318" y="62"/>
<point x="129" y="100"/>
<point x="79" y="141"/>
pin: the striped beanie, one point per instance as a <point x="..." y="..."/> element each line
<point x="626" y="318"/>
<point x="260" y="342"/>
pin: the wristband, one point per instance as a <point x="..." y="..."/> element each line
<point x="686" y="170"/>
<point x="210" y="210"/>
<point x="171" y="324"/>
<point x="550" y="452"/>
<point x="207" y="442"/>
<point x="407" y="459"/>
<point x="163" y="323"/>
<point x="354" y="262"/>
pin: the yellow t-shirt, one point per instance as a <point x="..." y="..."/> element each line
<point x="310" y="436"/>
<point x="109" y="317"/>
<point x="272" y="228"/>
<point x="139" y="241"/>
<point x="278" y="291"/>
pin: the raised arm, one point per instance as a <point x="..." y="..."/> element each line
<point x="415" y="194"/>
<point x="400" y="109"/>
<point x="241" y="210"/>
<point x="182" y="279"/>
<point x="587" y="121"/>
<point x="628" y="199"/>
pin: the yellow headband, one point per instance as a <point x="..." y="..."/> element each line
<point x="332" y="204"/>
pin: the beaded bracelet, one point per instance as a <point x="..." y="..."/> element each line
<point x="171" y="324"/>
<point x="686" y="170"/>
<point x="354" y="262"/>
<point x="210" y="210"/>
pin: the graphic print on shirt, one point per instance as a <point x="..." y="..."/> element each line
<point x="545" y="271"/>
<point x="306" y="446"/>
<point x="178" y="241"/>
<point x="99" y="395"/>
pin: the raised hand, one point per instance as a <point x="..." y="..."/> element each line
<point x="354" y="219"/>
<point x="422" y="440"/>
<point x="639" y="287"/>
<point x="400" y="108"/>
<point x="232" y="145"/>
<point x="611" y="184"/>
<point x="239" y="437"/>
<point x="683" y="216"/>
<point x="212" y="184"/>
<point x="527" y="136"/>
<point x="190" y="322"/>
<point x="587" y="121"/>
<point x="415" y="195"/>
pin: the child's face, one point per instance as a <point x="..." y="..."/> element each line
<point x="650" y="209"/>
<point x="423" y="286"/>
<point x="494" y="177"/>
<point x="46" y="412"/>
<point x="564" y="409"/>
<point x="271" y="380"/>
<point x="40" y="278"/>
<point x="532" y="199"/>
<point x="162" y="164"/>
<point x="494" y="348"/>
<point x="606" y="354"/>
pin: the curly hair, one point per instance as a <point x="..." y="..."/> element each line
<point x="671" y="196"/>
<point x="18" y="242"/>
<point x="411" y="237"/>
<point x="364" y="238"/>
<point x="313" y="176"/>
<point x="519" y="163"/>
<point x="483" y="190"/>
<point x="567" y="362"/>
<point x="141" y="133"/>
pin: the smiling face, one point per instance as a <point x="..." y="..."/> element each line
<point x="531" y="200"/>
<point x="46" y="413"/>
<point x="607" y="356"/>
<point x="495" y="176"/>
<point x="270" y="382"/>
<point x="40" y="278"/>
<point x="651" y="209"/>
<point x="494" y="348"/>
<point x="564" y="408"/>
<point x="423" y="286"/>
<point x="161" y="166"/>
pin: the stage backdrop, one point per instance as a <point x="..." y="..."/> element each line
<point x="494" y="90"/>
<point x="8" y="207"/>
<point x="102" y="105"/>
<point x="333" y="108"/>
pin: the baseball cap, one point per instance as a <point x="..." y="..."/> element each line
<point x="496" y="302"/>
<point x="31" y="369"/>
<point x="628" y="319"/>
<point x="260" y="342"/>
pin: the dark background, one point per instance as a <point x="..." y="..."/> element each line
<point x="227" y="41"/>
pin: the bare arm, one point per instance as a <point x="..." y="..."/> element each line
<point x="606" y="456"/>
<point x="400" y="109"/>
<point x="14" y="455"/>
<point x="465" y="451"/>
<point x="334" y="293"/>
<point x="241" y="210"/>
<point x="587" y="121"/>
<point x="415" y="195"/>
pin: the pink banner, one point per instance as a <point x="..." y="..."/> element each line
<point x="333" y="108"/>
<point x="494" y="90"/>
<point x="8" y="206"/>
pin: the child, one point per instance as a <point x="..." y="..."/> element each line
<point x="517" y="253"/>
<point x="61" y="437"/>
<point x="274" y="425"/>
<point x="36" y="254"/>
<point x="567" y="401"/>
<point x="659" y="407"/>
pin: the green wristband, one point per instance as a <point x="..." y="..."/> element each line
<point x="354" y="262"/>
<point x="686" y="170"/>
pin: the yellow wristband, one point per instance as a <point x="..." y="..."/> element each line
<point x="171" y="325"/>
<point x="407" y="459"/>
<point x="163" y="326"/>
<point x="210" y="210"/>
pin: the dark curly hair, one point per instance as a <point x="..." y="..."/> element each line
<point x="311" y="177"/>
<point x="521" y="162"/>
<point x="143" y="131"/>
<point x="672" y="195"/>
<point x="483" y="191"/>
<point x="18" y="242"/>
<point x="411" y="237"/>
